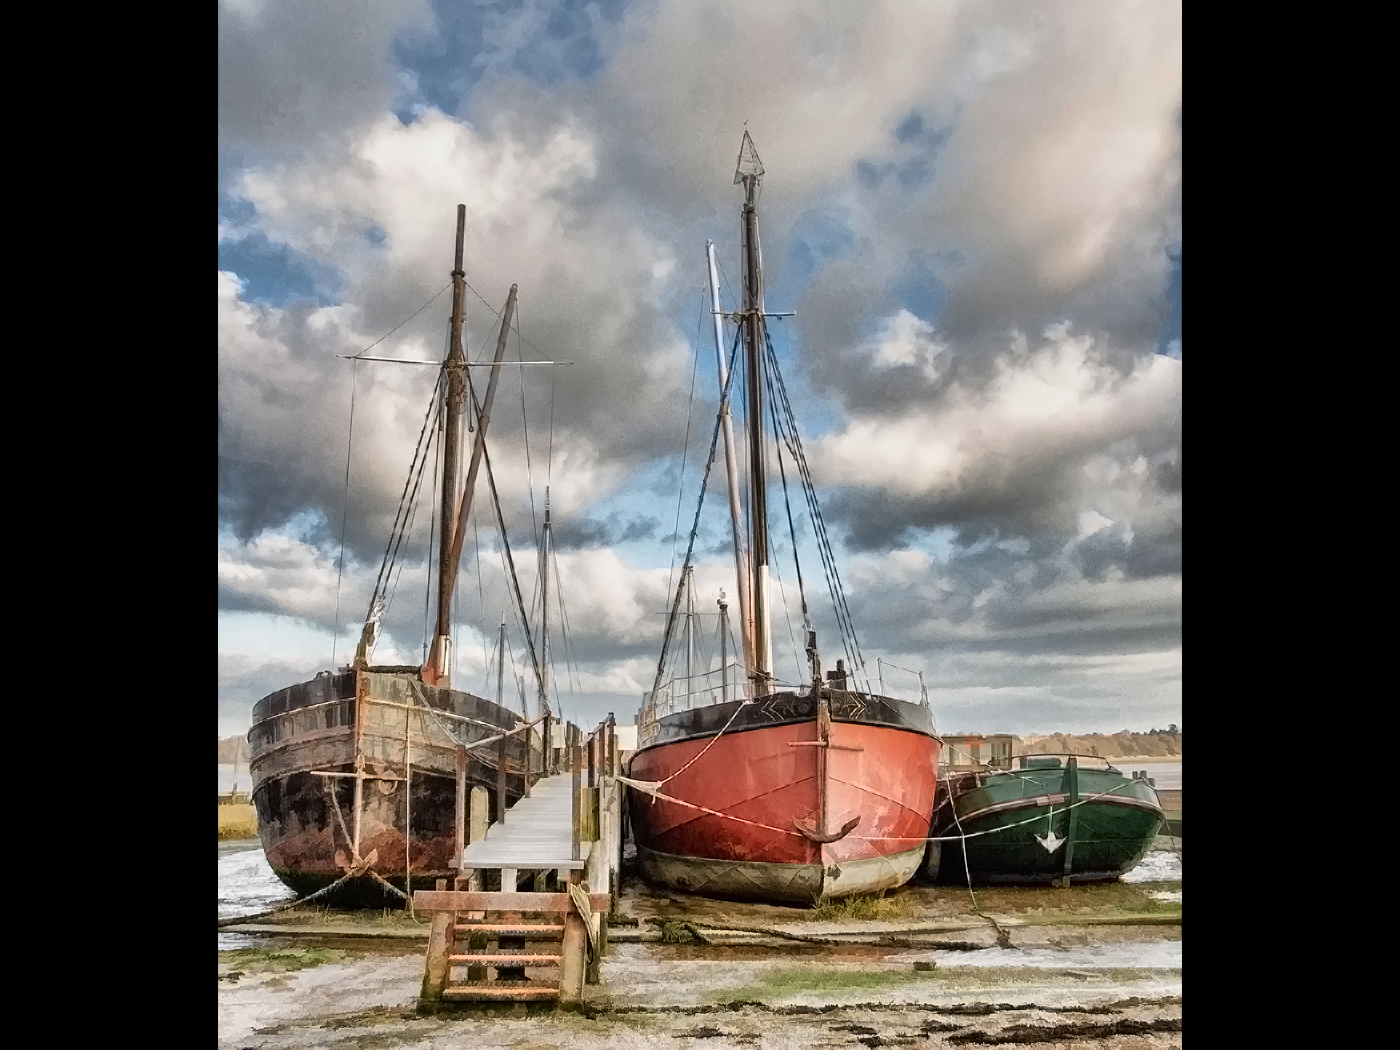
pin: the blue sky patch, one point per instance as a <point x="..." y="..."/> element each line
<point x="275" y="274"/>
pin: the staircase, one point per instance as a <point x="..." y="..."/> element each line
<point x="543" y="943"/>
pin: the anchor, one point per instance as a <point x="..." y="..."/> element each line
<point x="810" y="831"/>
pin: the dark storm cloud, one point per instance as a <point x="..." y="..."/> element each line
<point x="992" y="175"/>
<point x="615" y="529"/>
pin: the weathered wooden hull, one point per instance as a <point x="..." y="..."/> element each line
<point x="408" y="805"/>
<point x="754" y="809"/>
<point x="1022" y="830"/>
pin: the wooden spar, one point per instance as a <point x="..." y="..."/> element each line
<point x="731" y="467"/>
<point x="454" y="517"/>
<point x="545" y="537"/>
<point x="750" y="171"/>
<point x="435" y="670"/>
<point x="460" y="836"/>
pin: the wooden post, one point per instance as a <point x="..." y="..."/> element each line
<point x="573" y="965"/>
<point x="576" y="762"/>
<point x="592" y="759"/>
<point x="547" y="744"/>
<point x="1071" y="792"/>
<point x="436" y="966"/>
<point x="501" y="781"/>
<point x="480" y="807"/>
<point x="460" y="839"/>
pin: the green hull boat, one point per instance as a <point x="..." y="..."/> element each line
<point x="1048" y="822"/>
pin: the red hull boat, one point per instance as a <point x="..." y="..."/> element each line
<point x="786" y="794"/>
<point x="798" y="800"/>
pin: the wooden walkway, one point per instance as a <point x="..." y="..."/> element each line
<point x="538" y="833"/>
<point x="540" y="932"/>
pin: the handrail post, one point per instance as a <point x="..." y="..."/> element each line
<point x="592" y="759"/>
<point x="575" y="761"/>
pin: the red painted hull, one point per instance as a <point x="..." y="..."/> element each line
<point x="769" y="785"/>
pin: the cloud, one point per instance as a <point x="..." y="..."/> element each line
<point x="1015" y="453"/>
<point x="975" y="209"/>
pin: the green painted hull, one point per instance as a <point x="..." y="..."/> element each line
<point x="1011" y="816"/>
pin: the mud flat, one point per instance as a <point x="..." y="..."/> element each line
<point x="1089" y="966"/>
<point x="659" y="996"/>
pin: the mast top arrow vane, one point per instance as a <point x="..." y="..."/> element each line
<point x="749" y="164"/>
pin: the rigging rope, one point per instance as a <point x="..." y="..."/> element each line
<point x="685" y="454"/>
<point x="407" y="531"/>
<point x="525" y="422"/>
<point x="824" y="547"/>
<point x="434" y="405"/>
<point x="510" y="560"/>
<point x="432" y="524"/>
<point x="695" y="527"/>
<point x="344" y="514"/>
<point x="396" y="327"/>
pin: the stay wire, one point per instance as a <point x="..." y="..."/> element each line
<point x="685" y="453"/>
<point x="506" y="552"/>
<point x="406" y="536"/>
<point x="824" y="542"/>
<point x="434" y="405"/>
<point x="428" y="587"/>
<point x="844" y="624"/>
<point x="695" y="527"/>
<point x="525" y="422"/>
<point x="344" y="514"/>
<point x="519" y="337"/>
<point x="396" y="327"/>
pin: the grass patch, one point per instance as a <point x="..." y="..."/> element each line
<point x="316" y="915"/>
<point x="777" y="983"/>
<point x="237" y="822"/>
<point x="281" y="960"/>
<point x="862" y="907"/>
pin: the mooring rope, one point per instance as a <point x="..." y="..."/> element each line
<point x="360" y="869"/>
<point x="648" y="787"/>
<point x="697" y="758"/>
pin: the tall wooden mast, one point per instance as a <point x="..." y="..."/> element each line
<point x="749" y="173"/>
<point x="454" y="513"/>
<point x="546" y="538"/>
<point x="455" y="370"/>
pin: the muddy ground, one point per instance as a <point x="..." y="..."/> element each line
<point x="1093" y="966"/>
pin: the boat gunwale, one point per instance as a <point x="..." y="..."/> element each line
<point x="708" y="734"/>
<point x="1126" y="801"/>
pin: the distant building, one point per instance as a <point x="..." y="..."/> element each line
<point x="977" y="751"/>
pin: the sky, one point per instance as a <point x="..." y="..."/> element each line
<point x="973" y="210"/>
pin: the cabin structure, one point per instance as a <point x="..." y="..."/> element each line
<point x="976" y="751"/>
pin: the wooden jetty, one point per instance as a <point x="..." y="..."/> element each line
<point x="527" y="916"/>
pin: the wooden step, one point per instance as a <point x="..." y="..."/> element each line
<point x="505" y="959"/>
<point x="509" y="929"/>
<point x="487" y="992"/>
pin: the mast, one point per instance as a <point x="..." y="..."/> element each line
<point x="545" y="536"/>
<point x="736" y="510"/>
<point x="454" y="515"/>
<point x="749" y="172"/>
<point x="455" y="369"/>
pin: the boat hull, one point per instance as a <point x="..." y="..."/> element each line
<point x="1021" y="828"/>
<point x="303" y="747"/>
<point x="747" y="809"/>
